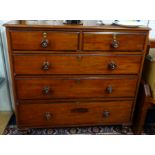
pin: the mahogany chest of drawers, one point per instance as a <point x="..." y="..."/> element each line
<point x="75" y="75"/>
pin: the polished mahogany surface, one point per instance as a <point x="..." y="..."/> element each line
<point x="47" y="64"/>
<point x="77" y="114"/>
<point x="59" y="24"/>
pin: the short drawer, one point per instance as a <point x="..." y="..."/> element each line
<point x="77" y="64"/>
<point x="48" y="40"/>
<point x="83" y="113"/>
<point x="114" y="41"/>
<point x="76" y="87"/>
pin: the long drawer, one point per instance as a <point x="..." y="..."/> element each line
<point x="76" y="87"/>
<point x="84" y="113"/>
<point x="114" y="41"/>
<point x="44" y="40"/>
<point x="77" y="64"/>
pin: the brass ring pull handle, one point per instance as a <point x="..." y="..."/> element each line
<point x="115" y="44"/>
<point x="45" y="65"/>
<point x="46" y="90"/>
<point x="106" y="114"/>
<point x="109" y="89"/>
<point x="48" y="116"/>
<point x="44" y="43"/>
<point x="112" y="66"/>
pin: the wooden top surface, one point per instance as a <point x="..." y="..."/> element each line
<point x="60" y="25"/>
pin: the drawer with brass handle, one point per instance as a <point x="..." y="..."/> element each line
<point x="86" y="113"/>
<point x="76" y="87"/>
<point x="113" y="41"/>
<point x="77" y="64"/>
<point x="44" y="40"/>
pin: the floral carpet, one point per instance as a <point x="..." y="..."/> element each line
<point x="96" y="130"/>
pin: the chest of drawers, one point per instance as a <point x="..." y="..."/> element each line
<point x="74" y="75"/>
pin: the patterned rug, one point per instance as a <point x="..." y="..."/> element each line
<point x="12" y="129"/>
<point x="96" y="130"/>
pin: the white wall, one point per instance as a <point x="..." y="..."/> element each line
<point x="5" y="100"/>
<point x="5" y="104"/>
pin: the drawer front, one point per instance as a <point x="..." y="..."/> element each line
<point x="85" y="113"/>
<point x="77" y="64"/>
<point x="39" y="40"/>
<point x="113" y="41"/>
<point x="78" y="87"/>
